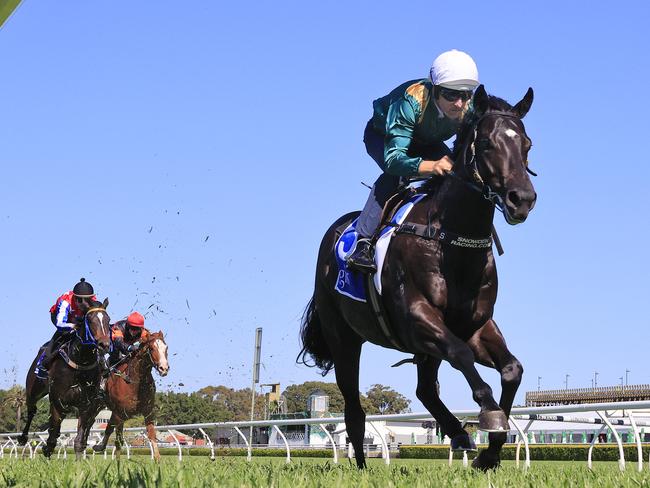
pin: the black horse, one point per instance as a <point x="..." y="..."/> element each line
<point x="73" y="379"/>
<point x="439" y="282"/>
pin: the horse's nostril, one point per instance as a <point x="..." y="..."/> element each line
<point x="513" y="197"/>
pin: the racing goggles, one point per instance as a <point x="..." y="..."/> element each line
<point x="453" y="95"/>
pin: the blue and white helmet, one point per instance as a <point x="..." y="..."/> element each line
<point x="455" y="70"/>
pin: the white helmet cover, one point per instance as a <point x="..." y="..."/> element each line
<point x="456" y="70"/>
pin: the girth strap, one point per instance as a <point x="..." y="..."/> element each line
<point x="436" y="234"/>
<point x="74" y="365"/>
<point x="380" y="314"/>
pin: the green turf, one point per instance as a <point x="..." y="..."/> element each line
<point x="193" y="472"/>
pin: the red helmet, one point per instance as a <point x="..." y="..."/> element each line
<point x="135" y="319"/>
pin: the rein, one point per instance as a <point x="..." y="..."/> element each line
<point x="146" y="347"/>
<point x="84" y="342"/>
<point x="478" y="185"/>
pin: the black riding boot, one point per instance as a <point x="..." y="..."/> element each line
<point x="363" y="257"/>
<point x="53" y="346"/>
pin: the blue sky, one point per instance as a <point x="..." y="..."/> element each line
<point x="187" y="158"/>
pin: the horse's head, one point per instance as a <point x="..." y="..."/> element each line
<point x="96" y="327"/>
<point x="494" y="148"/>
<point x="157" y="349"/>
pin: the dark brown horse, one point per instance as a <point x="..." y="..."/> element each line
<point x="73" y="379"/>
<point x="439" y="283"/>
<point x="131" y="391"/>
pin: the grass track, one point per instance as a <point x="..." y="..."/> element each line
<point x="141" y="472"/>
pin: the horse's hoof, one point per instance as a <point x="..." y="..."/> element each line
<point x="22" y="440"/>
<point x="47" y="451"/>
<point x="493" y="421"/>
<point x="98" y="448"/>
<point x="463" y="442"/>
<point x="486" y="461"/>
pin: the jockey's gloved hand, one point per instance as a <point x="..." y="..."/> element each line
<point x="134" y="347"/>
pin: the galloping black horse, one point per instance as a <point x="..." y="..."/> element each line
<point x="73" y="380"/>
<point x="439" y="283"/>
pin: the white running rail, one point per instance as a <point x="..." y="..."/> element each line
<point x="607" y="421"/>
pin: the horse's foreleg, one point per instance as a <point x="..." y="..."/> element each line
<point x="428" y="392"/>
<point x="435" y="339"/>
<point x="54" y="429"/>
<point x="110" y="427"/>
<point x="491" y="350"/>
<point x="119" y="437"/>
<point x="151" y="434"/>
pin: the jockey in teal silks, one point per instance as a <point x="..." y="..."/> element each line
<point x="406" y="135"/>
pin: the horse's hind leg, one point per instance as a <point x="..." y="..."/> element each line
<point x="490" y="349"/>
<point x="344" y="347"/>
<point x="35" y="389"/>
<point x="31" y="411"/>
<point x="428" y="392"/>
<point x="346" y="367"/>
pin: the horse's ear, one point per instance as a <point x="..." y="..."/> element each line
<point x="522" y="108"/>
<point x="480" y="101"/>
<point x="105" y="303"/>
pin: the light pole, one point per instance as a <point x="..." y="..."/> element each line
<point x="595" y="379"/>
<point x="539" y="383"/>
<point x="256" y="377"/>
<point x="566" y="381"/>
<point x="627" y="371"/>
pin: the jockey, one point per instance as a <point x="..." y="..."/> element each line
<point x="406" y="135"/>
<point x="67" y="312"/>
<point x="127" y="336"/>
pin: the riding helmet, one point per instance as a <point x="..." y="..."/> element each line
<point x="83" y="289"/>
<point x="135" y="319"/>
<point x="455" y="70"/>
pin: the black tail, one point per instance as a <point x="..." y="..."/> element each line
<point x="313" y="341"/>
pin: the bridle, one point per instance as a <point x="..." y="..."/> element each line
<point x="89" y="338"/>
<point x="470" y="164"/>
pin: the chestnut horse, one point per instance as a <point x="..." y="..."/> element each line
<point x="439" y="282"/>
<point x="131" y="391"/>
<point x="73" y="380"/>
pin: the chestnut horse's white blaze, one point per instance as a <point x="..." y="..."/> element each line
<point x="163" y="364"/>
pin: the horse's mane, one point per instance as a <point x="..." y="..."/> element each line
<point x="496" y="103"/>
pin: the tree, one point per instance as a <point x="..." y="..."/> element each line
<point x="15" y="400"/>
<point x="385" y="400"/>
<point x="296" y="395"/>
<point x="236" y="402"/>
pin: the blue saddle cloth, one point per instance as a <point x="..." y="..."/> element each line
<point x="352" y="283"/>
